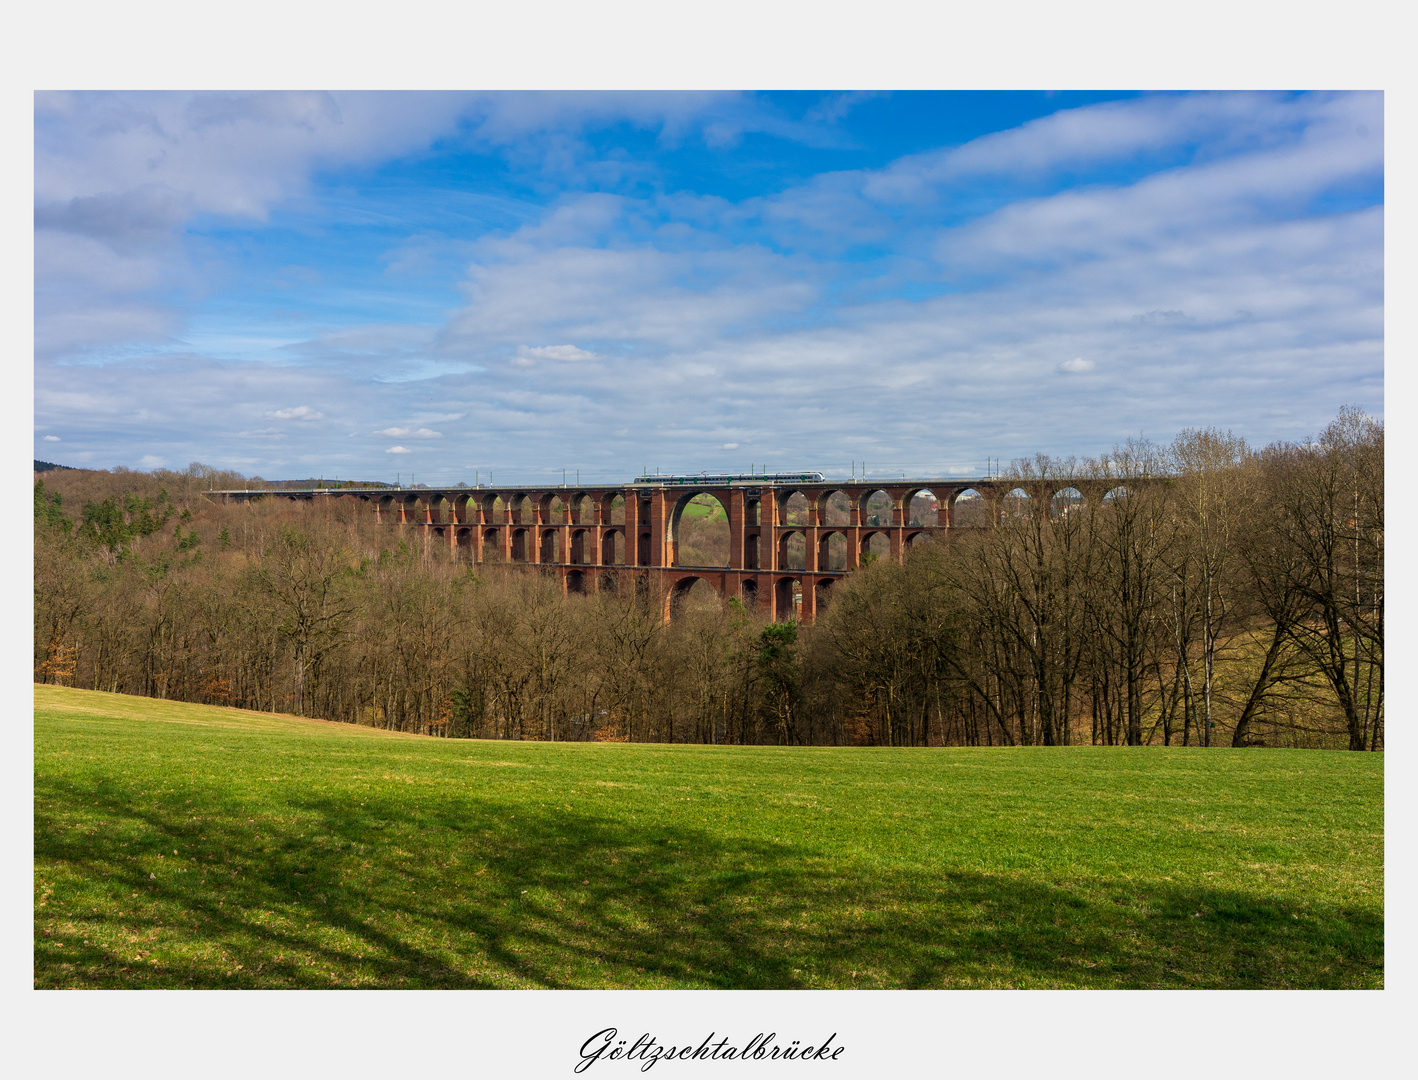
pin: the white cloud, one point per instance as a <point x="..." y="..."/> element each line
<point x="300" y="412"/>
<point x="410" y="433"/>
<point x="528" y="354"/>
<point x="52" y="438"/>
<point x="1209" y="280"/>
<point x="152" y="461"/>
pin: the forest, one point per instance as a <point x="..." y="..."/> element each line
<point x="1236" y="599"/>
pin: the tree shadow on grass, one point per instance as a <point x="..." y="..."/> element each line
<point x="461" y="896"/>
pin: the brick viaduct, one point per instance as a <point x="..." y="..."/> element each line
<point x="571" y="530"/>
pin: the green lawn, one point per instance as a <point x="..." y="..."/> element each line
<point x="184" y="845"/>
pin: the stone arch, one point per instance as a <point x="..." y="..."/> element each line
<point x="577" y="554"/>
<point x="792" y="548"/>
<point x="970" y="509"/>
<point x="409" y="504"/>
<point x="834" y="507"/>
<point x="1119" y="492"/>
<point x="521" y="509"/>
<point x="920" y="507"/>
<point x="549" y="544"/>
<point x="748" y="594"/>
<point x="832" y="550"/>
<point x="520" y="538"/>
<point x="1016" y="502"/>
<point x="705" y="543"/>
<point x="464" y="541"/>
<point x="440" y="508"/>
<point x="488" y="507"/>
<point x="550" y="509"/>
<point x="1064" y="502"/>
<point x="679" y="596"/>
<point x="791" y="512"/>
<point x="875" y="544"/>
<point x="606" y="582"/>
<point x="492" y="545"/>
<point x="575" y="581"/>
<point x="822" y="595"/>
<point x="752" y="511"/>
<point x="613" y="547"/>
<point x="577" y="507"/>
<point x="875" y="511"/>
<point x="916" y="539"/>
<point x="612" y="508"/>
<point x="752" y="551"/>
<point x="787" y="598"/>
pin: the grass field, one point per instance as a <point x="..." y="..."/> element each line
<point x="191" y="846"/>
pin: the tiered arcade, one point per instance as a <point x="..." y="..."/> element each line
<point x="572" y="530"/>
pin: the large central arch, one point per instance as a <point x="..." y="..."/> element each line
<point x="698" y="531"/>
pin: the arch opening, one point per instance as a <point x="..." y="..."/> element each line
<point x="1065" y="502"/>
<point x="792" y="551"/>
<point x="581" y="509"/>
<point x="788" y="599"/>
<point x="748" y="594"/>
<point x="519" y="545"/>
<point x="575" y="582"/>
<point x="699" y="531"/>
<point x="834" y="508"/>
<point x="692" y="595"/>
<point x="1016" y="503"/>
<point x="795" y="509"/>
<point x="970" y="510"/>
<point x="875" y="545"/>
<point x="922" y="509"/>
<point x="877" y="508"/>
<point x="832" y="551"/>
<point x="613" y="547"/>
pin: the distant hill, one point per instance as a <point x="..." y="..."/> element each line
<point x="46" y="466"/>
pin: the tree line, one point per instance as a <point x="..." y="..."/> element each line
<point x="1236" y="598"/>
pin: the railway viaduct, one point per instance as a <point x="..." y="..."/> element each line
<point x="574" y="530"/>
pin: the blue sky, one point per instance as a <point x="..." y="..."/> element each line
<point x="374" y="285"/>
